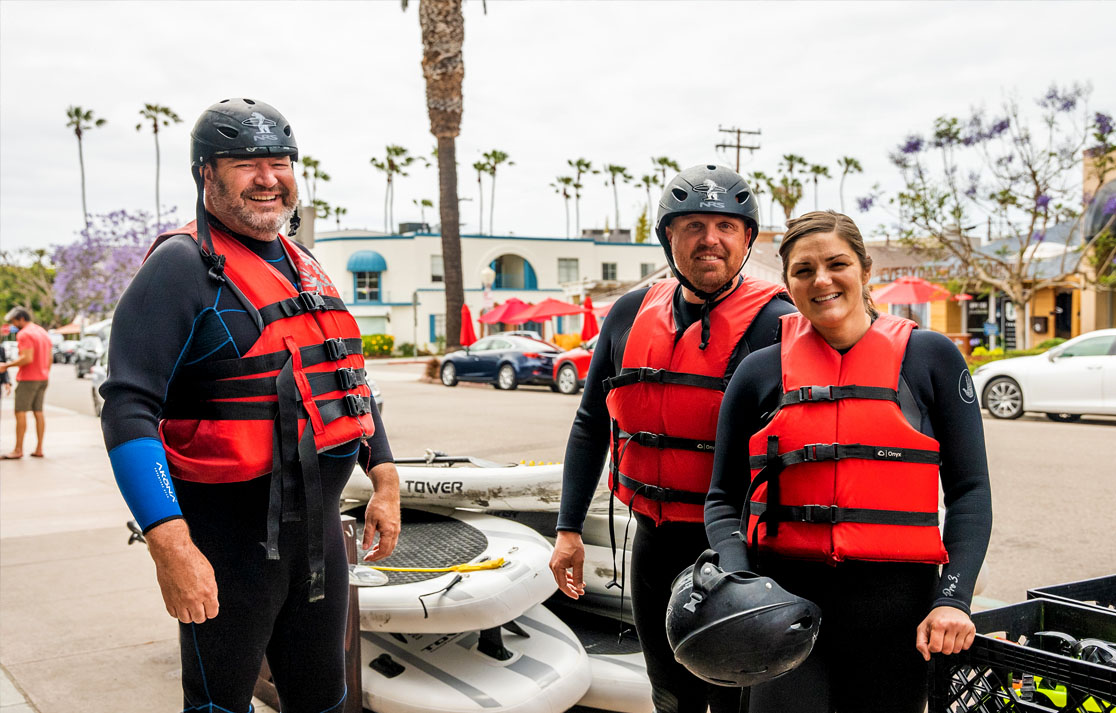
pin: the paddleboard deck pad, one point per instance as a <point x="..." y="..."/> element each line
<point x="534" y="664"/>
<point x="433" y="602"/>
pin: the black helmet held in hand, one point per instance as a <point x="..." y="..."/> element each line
<point x="737" y="628"/>
<point x="241" y="128"/>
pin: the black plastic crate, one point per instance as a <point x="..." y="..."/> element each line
<point x="991" y="676"/>
<point x="1099" y="592"/>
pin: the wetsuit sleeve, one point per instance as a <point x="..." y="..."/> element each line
<point x="587" y="447"/>
<point x="376" y="449"/>
<point x="764" y="330"/>
<point x="940" y="379"/>
<point x="751" y="392"/>
<point x="150" y="332"/>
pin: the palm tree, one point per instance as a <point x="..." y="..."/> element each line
<point x="443" y="32"/>
<point x="817" y="172"/>
<point x="662" y="163"/>
<point x="339" y="211"/>
<point x="396" y="158"/>
<point x="615" y="172"/>
<point x="787" y="192"/>
<point x="758" y="181"/>
<point x="848" y="165"/>
<point x="311" y="173"/>
<point x="481" y="167"/>
<point x="562" y="185"/>
<point x="422" y="206"/>
<point x="646" y="181"/>
<point x="793" y="161"/>
<point x="581" y="167"/>
<point x="157" y="114"/>
<point x="81" y="120"/>
<point x="495" y="157"/>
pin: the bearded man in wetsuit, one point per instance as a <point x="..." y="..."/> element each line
<point x="235" y="409"/>
<point x="652" y="396"/>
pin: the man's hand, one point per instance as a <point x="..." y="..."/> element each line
<point x="185" y="575"/>
<point x="569" y="554"/>
<point x="945" y="630"/>
<point x="382" y="513"/>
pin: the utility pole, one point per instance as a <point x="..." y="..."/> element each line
<point x="738" y="145"/>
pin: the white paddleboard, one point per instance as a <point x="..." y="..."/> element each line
<point x="548" y="671"/>
<point x="458" y="601"/>
<point x="518" y="487"/>
<point x="620" y="680"/>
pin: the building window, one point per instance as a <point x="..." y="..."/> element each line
<point x="437" y="270"/>
<point x="567" y="270"/>
<point x="608" y="271"/>
<point x="366" y="286"/>
<point x="645" y="269"/>
<point x="437" y="327"/>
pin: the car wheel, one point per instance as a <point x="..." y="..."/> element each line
<point x="567" y="379"/>
<point x="449" y="374"/>
<point x="505" y="378"/>
<point x="1004" y="398"/>
<point x="1064" y="417"/>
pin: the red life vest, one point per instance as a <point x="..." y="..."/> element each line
<point x="665" y="400"/>
<point x="839" y="473"/>
<point x="221" y="415"/>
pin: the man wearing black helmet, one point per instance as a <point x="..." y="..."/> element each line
<point x="651" y="402"/>
<point x="235" y="410"/>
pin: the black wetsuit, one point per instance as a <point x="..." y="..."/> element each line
<point x="865" y="657"/>
<point x="658" y="553"/>
<point x="173" y="314"/>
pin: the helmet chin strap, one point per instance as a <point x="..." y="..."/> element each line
<point x="205" y="240"/>
<point x="708" y="298"/>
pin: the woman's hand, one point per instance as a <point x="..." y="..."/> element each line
<point x="945" y="630"/>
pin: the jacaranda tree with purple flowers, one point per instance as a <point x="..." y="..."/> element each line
<point x="1018" y="173"/>
<point x="93" y="271"/>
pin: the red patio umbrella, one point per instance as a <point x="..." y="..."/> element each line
<point x="468" y="336"/>
<point x="589" y="328"/>
<point x="508" y="309"/>
<point x="910" y="290"/>
<point x="544" y="310"/>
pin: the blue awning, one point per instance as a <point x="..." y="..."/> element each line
<point x="367" y="261"/>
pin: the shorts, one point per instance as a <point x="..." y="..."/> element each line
<point x="29" y="395"/>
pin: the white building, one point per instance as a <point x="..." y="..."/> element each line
<point x="393" y="284"/>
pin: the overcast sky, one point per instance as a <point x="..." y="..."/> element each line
<point x="614" y="82"/>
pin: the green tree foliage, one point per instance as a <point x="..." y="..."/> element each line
<point x="27" y="278"/>
<point x="643" y="227"/>
<point x="581" y="167"/>
<point x="493" y="159"/>
<point x="164" y="116"/>
<point x="562" y="186"/>
<point x="394" y="163"/>
<point x="616" y="172"/>
<point x="312" y="173"/>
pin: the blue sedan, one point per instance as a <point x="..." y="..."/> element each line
<point x="503" y="360"/>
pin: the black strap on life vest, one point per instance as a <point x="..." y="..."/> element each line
<point x="330" y="409"/>
<point x="635" y="375"/>
<point x="658" y="494"/>
<point x="329" y="350"/>
<point x="661" y="440"/>
<point x="832" y="515"/>
<point x="813" y="452"/>
<point x="814" y="394"/>
<point x="302" y="303"/>
<point x="322" y="382"/>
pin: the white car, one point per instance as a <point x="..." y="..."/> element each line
<point x="1072" y="379"/>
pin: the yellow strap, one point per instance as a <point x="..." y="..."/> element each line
<point x="467" y="567"/>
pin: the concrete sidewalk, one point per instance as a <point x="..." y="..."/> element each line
<point x="82" y="624"/>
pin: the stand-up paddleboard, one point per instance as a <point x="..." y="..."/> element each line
<point x="515" y="487"/>
<point x="620" y="680"/>
<point x="534" y="664"/>
<point x="433" y="602"/>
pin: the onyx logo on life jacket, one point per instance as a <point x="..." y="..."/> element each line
<point x="966" y="388"/>
<point x="712" y="192"/>
<point x="262" y="125"/>
<point x="888" y="454"/>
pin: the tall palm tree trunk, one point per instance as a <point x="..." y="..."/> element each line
<point x="567" y="201"/>
<point x="158" y="203"/>
<point x="81" y="163"/>
<point x="387" y="216"/>
<point x="480" y="205"/>
<point x="451" y="237"/>
<point x="492" y="204"/>
<point x="616" y="200"/>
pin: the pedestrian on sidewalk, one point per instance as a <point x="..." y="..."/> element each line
<point x="34" y="360"/>
<point x="235" y="410"/>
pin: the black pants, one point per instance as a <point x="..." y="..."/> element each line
<point x="658" y="555"/>
<point x="865" y="659"/>
<point x="264" y="606"/>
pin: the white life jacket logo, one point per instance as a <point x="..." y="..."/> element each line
<point x="712" y="193"/>
<point x="262" y="125"/>
<point x="889" y="454"/>
<point x="966" y="388"/>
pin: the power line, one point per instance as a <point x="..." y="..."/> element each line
<point x="737" y="145"/>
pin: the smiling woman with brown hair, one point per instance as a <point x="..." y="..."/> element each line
<point x="863" y="416"/>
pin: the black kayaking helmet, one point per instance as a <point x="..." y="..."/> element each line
<point x="737" y="628"/>
<point x="235" y="128"/>
<point x="707" y="189"/>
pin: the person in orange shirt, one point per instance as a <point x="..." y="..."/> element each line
<point x="31" y="382"/>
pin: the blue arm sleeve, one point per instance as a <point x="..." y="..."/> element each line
<point x="140" y="467"/>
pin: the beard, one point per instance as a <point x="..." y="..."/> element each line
<point x="231" y="208"/>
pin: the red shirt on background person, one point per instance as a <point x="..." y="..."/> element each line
<point x="34" y="360"/>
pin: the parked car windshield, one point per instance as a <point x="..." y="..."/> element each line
<point x="1097" y="346"/>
